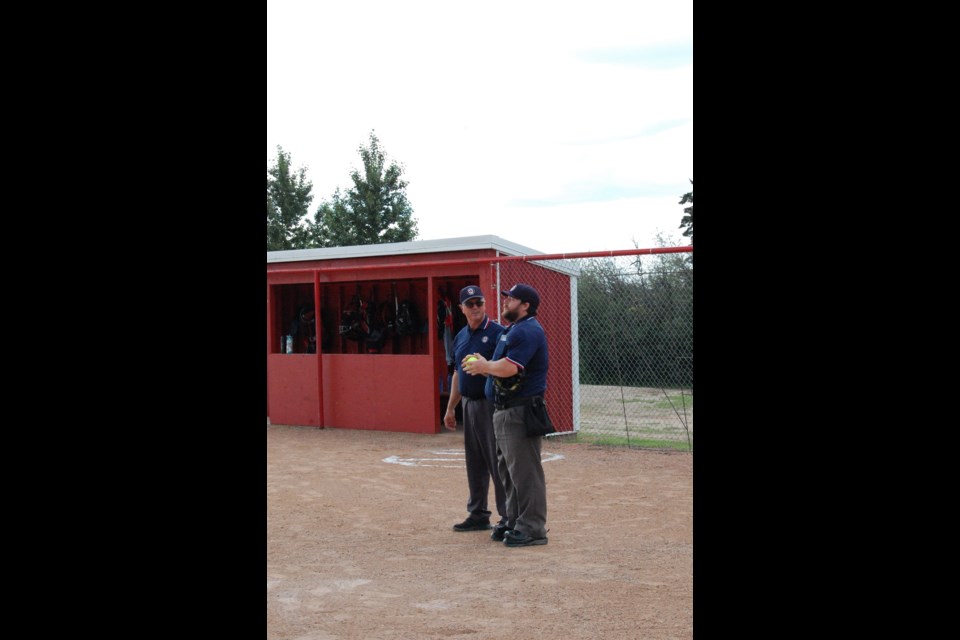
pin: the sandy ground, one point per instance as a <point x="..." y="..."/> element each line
<point x="360" y="546"/>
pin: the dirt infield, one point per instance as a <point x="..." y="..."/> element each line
<point x="360" y="546"/>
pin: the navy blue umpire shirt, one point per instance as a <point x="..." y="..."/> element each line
<point x="525" y="345"/>
<point x="482" y="341"/>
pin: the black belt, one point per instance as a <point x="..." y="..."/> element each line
<point x="479" y="397"/>
<point x="515" y="402"/>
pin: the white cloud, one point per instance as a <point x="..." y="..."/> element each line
<point x="495" y="105"/>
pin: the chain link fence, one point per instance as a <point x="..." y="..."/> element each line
<point x="629" y="345"/>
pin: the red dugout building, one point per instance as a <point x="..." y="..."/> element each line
<point x="323" y="371"/>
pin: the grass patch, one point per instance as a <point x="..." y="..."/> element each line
<point x="677" y="402"/>
<point x="640" y="443"/>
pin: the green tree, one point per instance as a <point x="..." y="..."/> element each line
<point x="687" y="220"/>
<point x="288" y="203"/>
<point x="636" y="319"/>
<point x="375" y="210"/>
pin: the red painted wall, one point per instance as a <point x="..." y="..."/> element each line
<point x="380" y="392"/>
<point x="554" y="316"/>
<point x="292" y="396"/>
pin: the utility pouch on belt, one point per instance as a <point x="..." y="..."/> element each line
<point x="537" y="420"/>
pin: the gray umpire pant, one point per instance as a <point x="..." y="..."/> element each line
<point x="480" y="447"/>
<point x="518" y="463"/>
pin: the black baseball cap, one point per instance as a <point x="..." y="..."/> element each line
<point x="470" y="291"/>
<point x="524" y="293"/>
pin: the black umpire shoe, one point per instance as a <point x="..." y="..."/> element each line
<point x="519" y="539"/>
<point x="499" y="531"/>
<point x="472" y="525"/>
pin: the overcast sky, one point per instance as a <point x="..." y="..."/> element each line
<point x="561" y="126"/>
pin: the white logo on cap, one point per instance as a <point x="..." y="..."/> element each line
<point x="470" y="291"/>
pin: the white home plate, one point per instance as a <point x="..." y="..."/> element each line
<point x="452" y="458"/>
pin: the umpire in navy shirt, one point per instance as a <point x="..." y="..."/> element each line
<point x="479" y="444"/>
<point x="516" y="377"/>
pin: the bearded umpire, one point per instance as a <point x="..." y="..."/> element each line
<point x="517" y="376"/>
